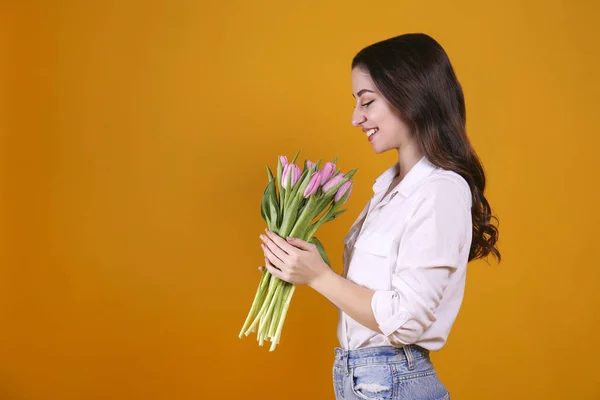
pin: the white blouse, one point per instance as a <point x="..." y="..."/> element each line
<point x="412" y="249"/>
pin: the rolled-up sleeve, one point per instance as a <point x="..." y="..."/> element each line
<point x="428" y="254"/>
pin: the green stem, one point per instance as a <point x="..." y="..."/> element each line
<point x="326" y="215"/>
<point x="277" y="311"/>
<point x="311" y="232"/>
<point x="258" y="298"/>
<point x="284" y="311"/>
<point x="289" y="218"/>
<point x="283" y="200"/>
<point x="269" y="313"/>
<point x="305" y="218"/>
<point x="265" y="305"/>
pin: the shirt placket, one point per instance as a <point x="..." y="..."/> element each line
<point x="360" y="227"/>
<point x="355" y="231"/>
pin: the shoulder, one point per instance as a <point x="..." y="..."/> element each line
<point x="444" y="186"/>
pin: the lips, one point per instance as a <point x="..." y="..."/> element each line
<point x="371" y="133"/>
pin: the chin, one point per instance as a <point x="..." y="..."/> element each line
<point x="381" y="149"/>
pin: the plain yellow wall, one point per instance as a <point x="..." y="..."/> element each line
<point x="134" y="138"/>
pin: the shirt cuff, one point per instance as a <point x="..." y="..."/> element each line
<point x="387" y="311"/>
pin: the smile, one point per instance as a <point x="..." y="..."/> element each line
<point x="371" y="132"/>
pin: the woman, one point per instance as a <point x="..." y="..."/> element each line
<point x="405" y="257"/>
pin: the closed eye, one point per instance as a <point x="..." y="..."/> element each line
<point x="367" y="103"/>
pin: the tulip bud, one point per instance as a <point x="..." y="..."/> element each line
<point x="332" y="182"/>
<point x="313" y="185"/>
<point x="284" y="160"/>
<point x="296" y="174"/>
<point x="326" y="172"/>
<point x="309" y="164"/>
<point x="290" y="169"/>
<point x="346" y="187"/>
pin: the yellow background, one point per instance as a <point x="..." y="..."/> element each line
<point x="134" y="139"/>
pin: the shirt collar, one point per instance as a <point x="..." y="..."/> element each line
<point x="417" y="174"/>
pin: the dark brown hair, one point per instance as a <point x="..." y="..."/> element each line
<point x="414" y="74"/>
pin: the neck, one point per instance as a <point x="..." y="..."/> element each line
<point x="408" y="156"/>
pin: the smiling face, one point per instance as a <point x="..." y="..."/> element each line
<point x="379" y="120"/>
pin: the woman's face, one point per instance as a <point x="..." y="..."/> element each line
<point x="381" y="123"/>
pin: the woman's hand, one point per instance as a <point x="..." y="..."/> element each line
<point x="299" y="262"/>
<point x="292" y="260"/>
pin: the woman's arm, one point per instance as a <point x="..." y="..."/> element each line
<point x="349" y="297"/>
<point x="428" y="257"/>
<point x="299" y="262"/>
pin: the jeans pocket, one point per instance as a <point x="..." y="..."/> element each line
<point x="372" y="382"/>
<point x="422" y="386"/>
<point x="338" y="381"/>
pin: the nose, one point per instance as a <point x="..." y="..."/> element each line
<point x="358" y="117"/>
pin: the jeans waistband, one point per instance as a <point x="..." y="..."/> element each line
<point x="380" y="355"/>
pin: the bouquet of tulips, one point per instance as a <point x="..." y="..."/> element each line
<point x="295" y="204"/>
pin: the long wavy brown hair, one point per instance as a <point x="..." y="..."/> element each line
<point x="414" y="74"/>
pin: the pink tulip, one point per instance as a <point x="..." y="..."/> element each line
<point x="284" y="160"/>
<point x="326" y="172"/>
<point x="332" y="182"/>
<point x="313" y="185"/>
<point x="294" y="170"/>
<point x="346" y="187"/>
<point x="309" y="164"/>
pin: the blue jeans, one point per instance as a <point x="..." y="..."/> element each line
<point x="386" y="373"/>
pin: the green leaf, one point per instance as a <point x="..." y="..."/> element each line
<point x="301" y="208"/>
<point x="295" y="157"/>
<point x="262" y="211"/>
<point x="274" y="215"/>
<point x="267" y="201"/>
<point x="271" y="192"/>
<point x="321" y="249"/>
<point x="269" y="173"/>
<point x="336" y="214"/>
<point x="279" y="172"/>
<point x="264" y="205"/>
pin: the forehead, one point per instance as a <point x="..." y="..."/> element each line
<point x="361" y="80"/>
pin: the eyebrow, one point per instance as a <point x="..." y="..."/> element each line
<point x="362" y="91"/>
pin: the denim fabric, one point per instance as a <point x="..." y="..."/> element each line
<point x="386" y="373"/>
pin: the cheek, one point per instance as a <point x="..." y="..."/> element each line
<point x="403" y="129"/>
<point x="393" y="122"/>
<point x="377" y="117"/>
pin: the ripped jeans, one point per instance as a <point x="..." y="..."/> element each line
<point x="386" y="373"/>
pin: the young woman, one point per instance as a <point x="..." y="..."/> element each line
<point x="405" y="257"/>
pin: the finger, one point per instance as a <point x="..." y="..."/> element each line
<point x="274" y="271"/>
<point x="268" y="263"/>
<point x="279" y="241"/>
<point x="274" y="247"/>
<point x="273" y="258"/>
<point x="301" y="244"/>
